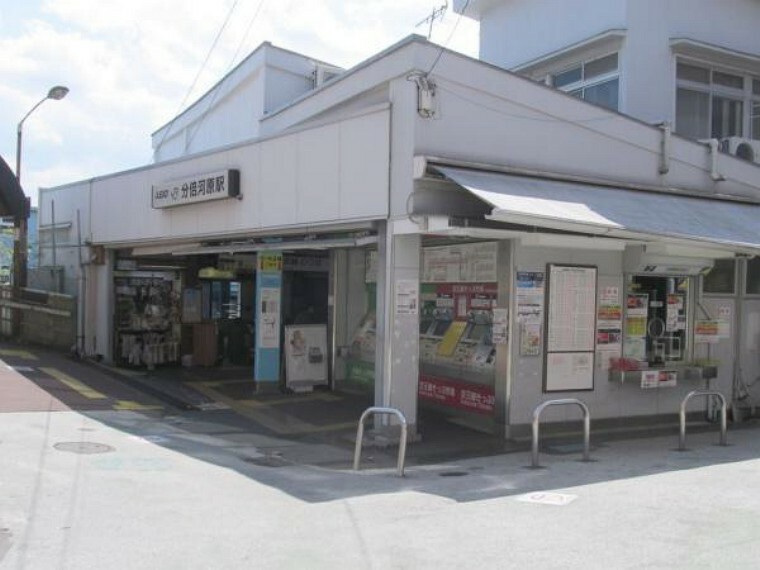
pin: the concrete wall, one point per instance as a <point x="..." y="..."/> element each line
<point x="609" y="399"/>
<point x="516" y="32"/>
<point x="45" y="329"/>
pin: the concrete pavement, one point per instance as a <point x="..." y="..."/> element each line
<point x="109" y="488"/>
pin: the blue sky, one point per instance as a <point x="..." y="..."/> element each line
<point x="129" y="66"/>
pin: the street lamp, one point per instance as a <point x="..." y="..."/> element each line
<point x="57" y="93"/>
<point x="21" y="221"/>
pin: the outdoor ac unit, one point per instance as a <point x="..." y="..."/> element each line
<point x="641" y="260"/>
<point x="741" y="148"/>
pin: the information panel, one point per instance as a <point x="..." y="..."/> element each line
<point x="570" y="328"/>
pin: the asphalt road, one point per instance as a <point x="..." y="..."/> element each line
<point x="98" y="485"/>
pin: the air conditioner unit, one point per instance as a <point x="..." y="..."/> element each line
<point x="740" y="147"/>
<point x="650" y="261"/>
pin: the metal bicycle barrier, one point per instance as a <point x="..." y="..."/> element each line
<point x="723" y="413"/>
<point x="586" y="425"/>
<point x="402" y="441"/>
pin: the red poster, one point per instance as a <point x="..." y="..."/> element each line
<point x="471" y="397"/>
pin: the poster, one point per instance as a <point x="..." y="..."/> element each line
<point x="269" y="319"/>
<point x="658" y="379"/>
<point x="609" y="327"/>
<point x="530" y="339"/>
<point x="569" y="371"/>
<point x="711" y="331"/>
<point x="530" y="310"/>
<point x="470" y="397"/>
<point x="572" y="309"/>
<point x="305" y="354"/>
<point x="571" y="328"/>
<point x="465" y="263"/>
<point x="500" y="326"/>
<point x="407" y="296"/>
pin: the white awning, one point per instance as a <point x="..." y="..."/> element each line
<point x="614" y="212"/>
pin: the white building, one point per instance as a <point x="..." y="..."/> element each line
<point x="482" y="243"/>
<point x="692" y="63"/>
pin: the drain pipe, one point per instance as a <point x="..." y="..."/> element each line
<point x="666" y="130"/>
<point x="714" y="145"/>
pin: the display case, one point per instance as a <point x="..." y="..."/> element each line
<point x="146" y="319"/>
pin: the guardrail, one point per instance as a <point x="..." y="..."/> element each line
<point x="401" y="444"/>
<point x="586" y="425"/>
<point x="723" y="415"/>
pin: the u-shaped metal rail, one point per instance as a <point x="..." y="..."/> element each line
<point x="401" y="444"/>
<point x="723" y="413"/>
<point x="586" y="425"/>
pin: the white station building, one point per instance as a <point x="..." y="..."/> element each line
<point x="576" y="215"/>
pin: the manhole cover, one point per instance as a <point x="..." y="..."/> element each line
<point x="83" y="447"/>
<point x="453" y="474"/>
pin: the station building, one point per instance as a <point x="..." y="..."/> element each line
<point x="445" y="234"/>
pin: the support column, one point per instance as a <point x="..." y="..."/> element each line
<point x="397" y="362"/>
<point x="268" y="321"/>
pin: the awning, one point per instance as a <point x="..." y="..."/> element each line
<point x="12" y="199"/>
<point x="614" y="212"/>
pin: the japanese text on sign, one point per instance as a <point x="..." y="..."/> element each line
<point x="200" y="188"/>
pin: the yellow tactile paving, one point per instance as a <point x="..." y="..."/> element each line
<point x="74" y="384"/>
<point x="266" y="414"/>
<point x="129" y="405"/>
<point x="24" y="354"/>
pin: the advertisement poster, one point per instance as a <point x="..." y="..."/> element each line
<point x="471" y="397"/>
<point x="530" y="311"/>
<point x="569" y="371"/>
<point x="658" y="379"/>
<point x="609" y="327"/>
<point x="465" y="263"/>
<point x="407" y="296"/>
<point x="500" y="326"/>
<point x="530" y="339"/>
<point x="306" y="354"/>
<point x="269" y="320"/>
<point x="711" y="331"/>
<point x="637" y="305"/>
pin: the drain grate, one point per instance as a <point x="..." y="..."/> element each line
<point x="83" y="447"/>
<point x="453" y="474"/>
<point x="268" y="461"/>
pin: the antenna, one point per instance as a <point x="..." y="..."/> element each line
<point x="436" y="14"/>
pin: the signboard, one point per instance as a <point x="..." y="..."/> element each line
<point x="465" y="263"/>
<point x="570" y="328"/>
<point x="471" y="397"/>
<point x="193" y="189"/>
<point x="269" y="262"/>
<point x="305" y="355"/>
<point x="407" y="297"/>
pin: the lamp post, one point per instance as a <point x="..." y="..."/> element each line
<point x="56" y="93"/>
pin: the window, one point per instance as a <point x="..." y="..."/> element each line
<point x="656" y="319"/>
<point x="721" y="278"/>
<point x="753" y="276"/>
<point x="595" y="81"/>
<point x="713" y="103"/>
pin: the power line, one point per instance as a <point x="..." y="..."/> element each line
<point x="451" y="35"/>
<point x="218" y="87"/>
<point x="200" y="71"/>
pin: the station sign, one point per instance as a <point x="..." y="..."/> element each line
<point x="206" y="187"/>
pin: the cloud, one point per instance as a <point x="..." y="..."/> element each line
<point x="129" y="65"/>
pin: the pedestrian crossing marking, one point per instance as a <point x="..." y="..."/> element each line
<point x="24" y="354"/>
<point x="74" y="384"/>
<point x="131" y="406"/>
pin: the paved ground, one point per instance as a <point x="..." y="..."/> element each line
<point x="101" y="484"/>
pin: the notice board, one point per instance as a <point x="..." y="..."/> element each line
<point x="570" y="328"/>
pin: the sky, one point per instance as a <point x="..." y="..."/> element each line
<point x="130" y="66"/>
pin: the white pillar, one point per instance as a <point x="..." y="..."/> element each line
<point x="397" y="362"/>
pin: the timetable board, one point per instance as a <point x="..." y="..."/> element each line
<point x="570" y="328"/>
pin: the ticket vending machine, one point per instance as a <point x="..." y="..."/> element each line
<point x="457" y="354"/>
